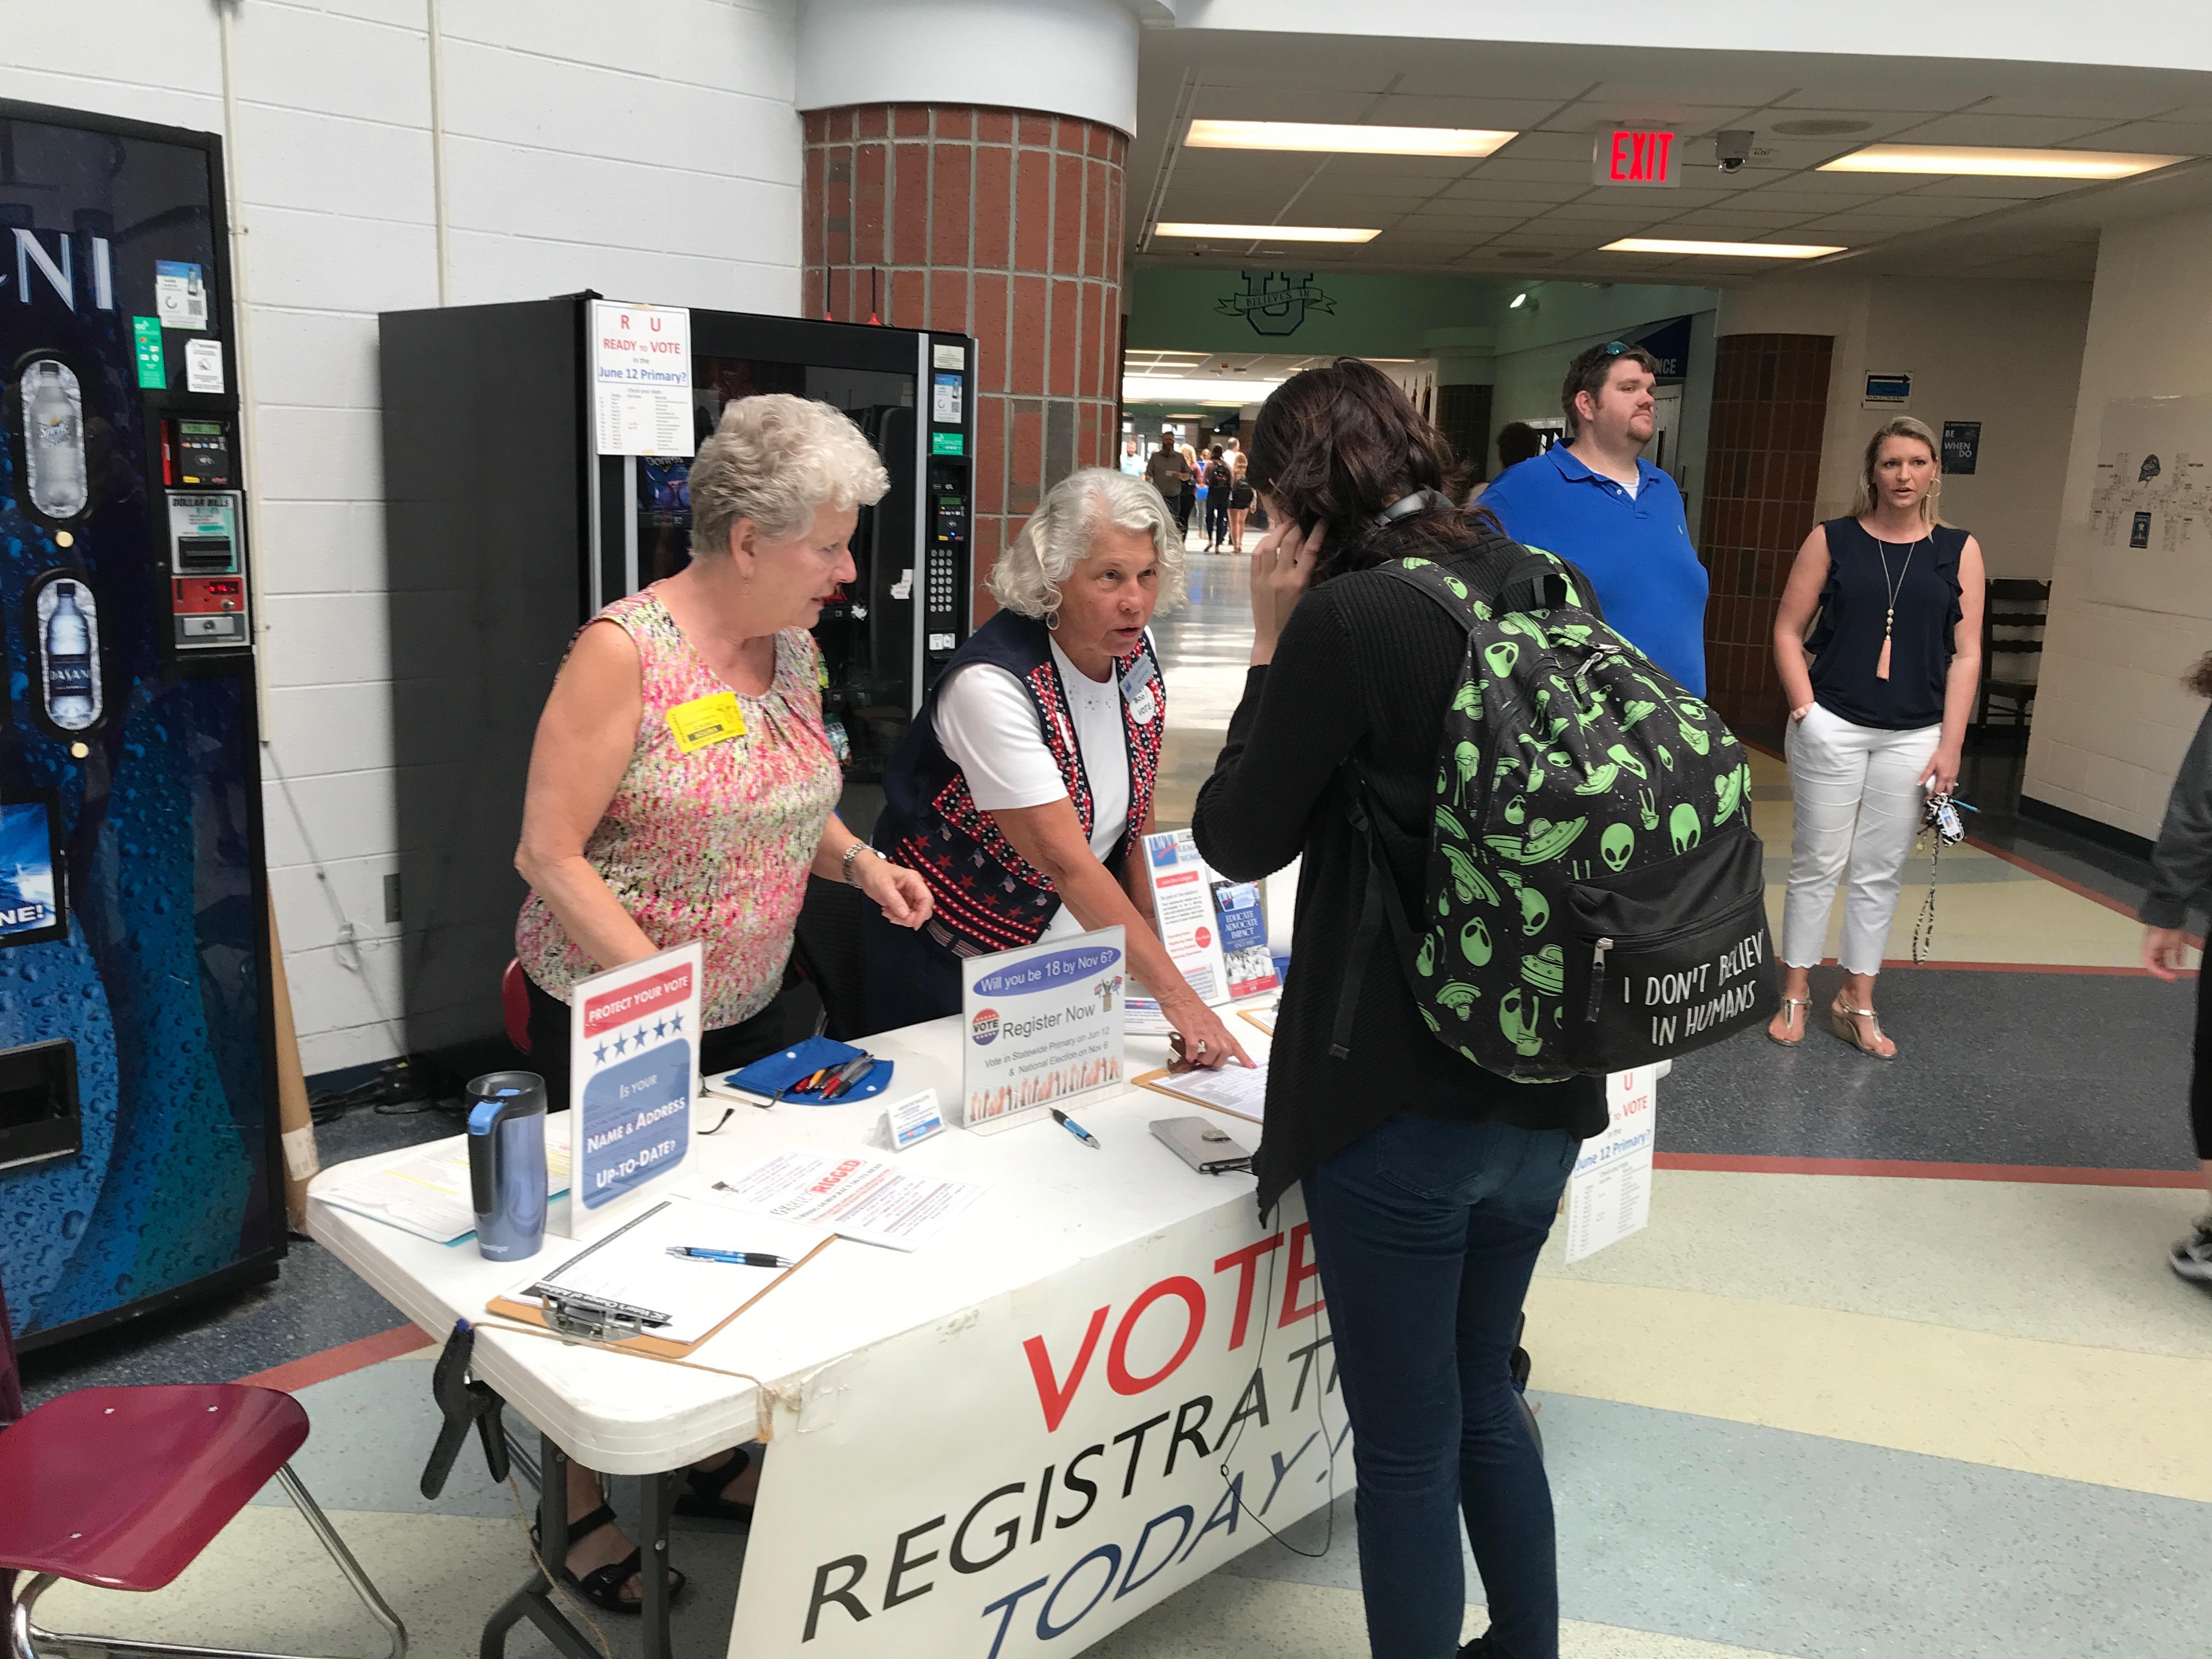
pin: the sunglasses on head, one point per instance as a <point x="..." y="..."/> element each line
<point x="1614" y="348"/>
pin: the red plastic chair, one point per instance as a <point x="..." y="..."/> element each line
<point x="514" y="1005"/>
<point x="124" y="1488"/>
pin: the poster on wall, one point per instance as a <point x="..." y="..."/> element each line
<point x="640" y="368"/>
<point x="1962" y="446"/>
<point x="2151" y="496"/>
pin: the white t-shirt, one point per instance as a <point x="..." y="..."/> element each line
<point x="988" y="724"/>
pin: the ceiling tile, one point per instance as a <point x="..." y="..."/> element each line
<point x="1506" y="114"/>
<point x="1477" y="188"/>
<point x="2027" y="130"/>
<point x="1275" y="104"/>
<point x="1576" y="173"/>
<point x="1741" y="218"/>
<point x="1989" y="192"/>
<point x="1612" y="210"/>
<point x="1482" y="69"/>
<point x="2192" y="137"/>
<point x="1539" y="146"/>
<point x="1789" y="195"/>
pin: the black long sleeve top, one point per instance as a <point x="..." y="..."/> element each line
<point x="1364" y="668"/>
<point x="2181" y="863"/>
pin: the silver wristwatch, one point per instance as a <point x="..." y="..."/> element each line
<point x="851" y="852"/>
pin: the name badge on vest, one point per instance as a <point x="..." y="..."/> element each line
<point x="1143" y="702"/>
<point x="703" y="720"/>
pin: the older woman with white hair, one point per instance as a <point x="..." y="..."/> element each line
<point x="1018" y="795"/>
<point x="681" y="788"/>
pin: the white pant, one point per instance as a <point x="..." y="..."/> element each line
<point x="1858" y="800"/>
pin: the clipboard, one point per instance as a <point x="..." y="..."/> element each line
<point x="658" y="1292"/>
<point x="1263" y="1017"/>
<point x="1154" y="1080"/>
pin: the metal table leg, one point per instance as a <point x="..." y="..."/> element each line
<point x="660" y="1492"/>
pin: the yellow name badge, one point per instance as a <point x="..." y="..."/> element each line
<point x="705" y="720"/>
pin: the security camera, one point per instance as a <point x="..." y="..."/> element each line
<point x="1732" y="148"/>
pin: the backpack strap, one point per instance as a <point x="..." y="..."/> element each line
<point x="1508" y="576"/>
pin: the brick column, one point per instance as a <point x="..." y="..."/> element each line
<point x="1004" y="224"/>
<point x="1762" y="474"/>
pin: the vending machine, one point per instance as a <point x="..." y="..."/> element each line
<point x="139" y="1153"/>
<point x="537" y="458"/>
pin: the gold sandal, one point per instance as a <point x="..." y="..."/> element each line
<point x="1843" y="1021"/>
<point x="1798" y="1041"/>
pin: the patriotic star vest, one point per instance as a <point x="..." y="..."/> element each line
<point x="988" y="896"/>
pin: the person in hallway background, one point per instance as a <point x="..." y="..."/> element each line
<point x="1020" y="791"/>
<point x="632" y="843"/>
<point x="1133" y="458"/>
<point x="1595" y="501"/>
<point x="2181" y="869"/>
<point x="1240" y="498"/>
<point x="1517" y="442"/>
<point x="1169" y="474"/>
<point x="1219" y="479"/>
<point x="1879" y="695"/>
<point x="1187" y="504"/>
<point x="1430" y="1183"/>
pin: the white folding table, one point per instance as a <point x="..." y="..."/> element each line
<point x="1108" y="1317"/>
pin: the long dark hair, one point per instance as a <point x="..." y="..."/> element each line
<point x="1336" y="445"/>
<point x="2199" y="678"/>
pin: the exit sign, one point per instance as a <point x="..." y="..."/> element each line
<point x="1634" y="155"/>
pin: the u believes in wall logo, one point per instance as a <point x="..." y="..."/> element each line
<point x="1275" y="301"/>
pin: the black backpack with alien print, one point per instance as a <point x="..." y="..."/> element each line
<point x="1595" y="898"/>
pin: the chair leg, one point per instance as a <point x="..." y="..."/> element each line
<point x="22" y="1634"/>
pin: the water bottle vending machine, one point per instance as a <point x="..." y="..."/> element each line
<point x="139" y="1158"/>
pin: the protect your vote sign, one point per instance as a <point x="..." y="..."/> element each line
<point x="634" y="1073"/>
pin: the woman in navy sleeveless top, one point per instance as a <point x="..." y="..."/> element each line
<point x="1878" y="692"/>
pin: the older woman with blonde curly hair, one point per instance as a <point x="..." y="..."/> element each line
<point x="1018" y="794"/>
<point x="682" y="787"/>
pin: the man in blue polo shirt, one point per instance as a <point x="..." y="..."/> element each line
<point x="1595" y="501"/>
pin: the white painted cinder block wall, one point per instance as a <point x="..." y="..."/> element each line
<point x="2112" y="720"/>
<point x="649" y="149"/>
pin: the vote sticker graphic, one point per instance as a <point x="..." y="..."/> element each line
<point x="985" y="1027"/>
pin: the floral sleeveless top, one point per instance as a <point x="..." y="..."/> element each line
<point x="714" y="845"/>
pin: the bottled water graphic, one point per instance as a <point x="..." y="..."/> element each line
<point x="53" y="422"/>
<point x="72" y="695"/>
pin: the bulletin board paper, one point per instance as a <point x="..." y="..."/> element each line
<point x="2149" y="528"/>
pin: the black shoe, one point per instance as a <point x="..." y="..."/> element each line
<point x="705" y="1500"/>
<point x="602" y="1587"/>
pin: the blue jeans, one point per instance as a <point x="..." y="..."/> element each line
<point x="1426" y="1233"/>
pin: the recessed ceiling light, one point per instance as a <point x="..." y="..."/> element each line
<point x="1166" y="389"/>
<point x="1821" y="126"/>
<point x="1980" y="161"/>
<point x="1343" y="138"/>
<point x="1726" y="250"/>
<point x="1518" y="301"/>
<point x="1268" y="232"/>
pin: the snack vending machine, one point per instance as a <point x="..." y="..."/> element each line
<point x="139" y="1153"/>
<point x="537" y="464"/>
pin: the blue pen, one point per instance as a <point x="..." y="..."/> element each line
<point x="1076" y="1129"/>
<point x="735" y="1258"/>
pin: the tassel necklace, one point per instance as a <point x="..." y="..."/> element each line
<point x="1889" y="621"/>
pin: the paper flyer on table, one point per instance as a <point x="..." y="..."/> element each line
<point x="424" y="1190"/>
<point x="1609" y="1193"/>
<point x="857" y="1197"/>
<point x="1183" y="911"/>
<point x="1239" y="1091"/>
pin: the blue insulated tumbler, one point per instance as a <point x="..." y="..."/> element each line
<point x="507" y="1163"/>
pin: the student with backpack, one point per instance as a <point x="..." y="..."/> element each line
<point x="1420" y="745"/>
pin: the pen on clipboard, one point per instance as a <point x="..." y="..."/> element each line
<point x="735" y="1258"/>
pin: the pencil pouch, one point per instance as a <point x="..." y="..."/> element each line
<point x="779" y="1070"/>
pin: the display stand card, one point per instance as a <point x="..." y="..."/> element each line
<point x="1183" y="911"/>
<point x="1039" y="1025"/>
<point x="910" y="1122"/>
<point x="633" y="1074"/>
<point x="1244" y="954"/>
<point x="1609" y="1193"/>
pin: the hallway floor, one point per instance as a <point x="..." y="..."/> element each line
<point x="1898" y="1368"/>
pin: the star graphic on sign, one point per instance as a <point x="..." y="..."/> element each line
<point x="660" y="1028"/>
<point x="676" y="1022"/>
<point x="640" y="1038"/>
<point x="621" y="1043"/>
<point x="599" y="1054"/>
